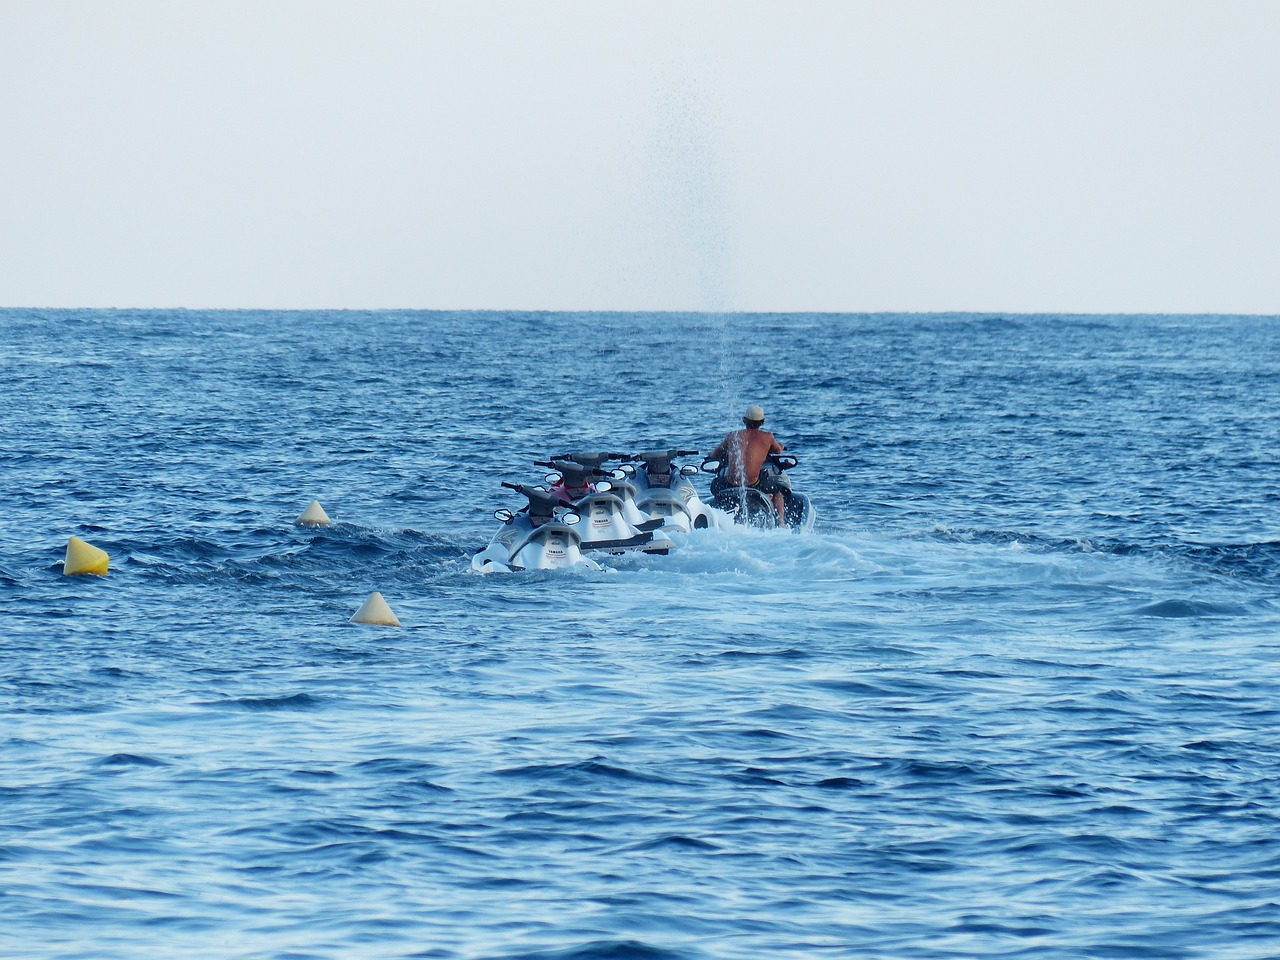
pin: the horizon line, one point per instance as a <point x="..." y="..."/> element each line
<point x="605" y="311"/>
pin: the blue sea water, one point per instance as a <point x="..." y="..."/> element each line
<point x="1017" y="695"/>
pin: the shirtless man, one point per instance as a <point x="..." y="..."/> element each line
<point x="743" y="452"/>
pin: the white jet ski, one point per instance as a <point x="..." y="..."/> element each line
<point x="753" y="505"/>
<point x="665" y="490"/>
<point x="607" y="503"/>
<point x="534" y="538"/>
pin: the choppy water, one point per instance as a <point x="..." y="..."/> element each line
<point x="1017" y="696"/>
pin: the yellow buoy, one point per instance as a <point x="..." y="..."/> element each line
<point x="375" y="611"/>
<point x="313" y="516"/>
<point x="84" y="558"/>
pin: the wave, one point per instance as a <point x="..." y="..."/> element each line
<point x="1257" y="562"/>
<point x="130" y="760"/>
<point x="297" y="701"/>
<point x="604" y="950"/>
<point x="1180" y="609"/>
<point x="285" y="556"/>
<point x="585" y="771"/>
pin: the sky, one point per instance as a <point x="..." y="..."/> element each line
<point x="1119" y="156"/>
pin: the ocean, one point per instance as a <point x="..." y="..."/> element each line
<point x="1016" y="695"/>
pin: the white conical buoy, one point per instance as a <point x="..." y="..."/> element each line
<point x="313" y="516"/>
<point x="375" y="611"/>
<point x="84" y="558"/>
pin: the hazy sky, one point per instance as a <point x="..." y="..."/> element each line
<point x="1017" y="155"/>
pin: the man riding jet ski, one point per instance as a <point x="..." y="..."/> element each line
<point x="751" y="505"/>
<point x="751" y="483"/>
<point x="742" y="454"/>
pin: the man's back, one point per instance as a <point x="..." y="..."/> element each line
<point x="743" y="453"/>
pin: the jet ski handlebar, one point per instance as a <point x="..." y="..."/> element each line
<point x="533" y="493"/>
<point x="573" y="465"/>
<point x="783" y="461"/>
<point x="542" y="503"/>
<point x="589" y="459"/>
<point x="658" y="455"/>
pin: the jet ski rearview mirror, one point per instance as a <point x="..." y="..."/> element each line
<point x="505" y="515"/>
<point x="688" y="470"/>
